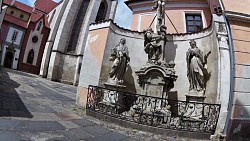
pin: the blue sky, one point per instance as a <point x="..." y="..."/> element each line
<point x="123" y="14"/>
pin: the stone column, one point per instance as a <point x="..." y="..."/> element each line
<point x="224" y="69"/>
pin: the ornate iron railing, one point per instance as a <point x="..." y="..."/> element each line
<point x="154" y="111"/>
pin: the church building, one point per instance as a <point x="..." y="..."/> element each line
<point x="64" y="50"/>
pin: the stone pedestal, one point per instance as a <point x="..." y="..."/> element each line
<point x="113" y="96"/>
<point x="194" y="106"/>
<point x="195" y="97"/>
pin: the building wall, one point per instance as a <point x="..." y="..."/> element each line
<point x="241" y="6"/>
<point x="176" y="10"/>
<point x="32" y="45"/>
<point x="240" y="118"/>
<point x="38" y="47"/>
<point x="17" y="13"/>
<point x="8" y="30"/>
<point x="92" y="62"/>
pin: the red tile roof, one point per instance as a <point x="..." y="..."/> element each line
<point x="37" y="16"/>
<point x="45" y="5"/>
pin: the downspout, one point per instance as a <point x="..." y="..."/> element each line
<point x="232" y="70"/>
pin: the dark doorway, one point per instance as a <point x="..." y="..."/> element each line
<point x="30" y="57"/>
<point x="8" y="60"/>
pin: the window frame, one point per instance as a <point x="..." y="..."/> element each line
<point x="194" y="12"/>
<point x="193" y="21"/>
<point x="39" y="26"/>
<point x="14" y="36"/>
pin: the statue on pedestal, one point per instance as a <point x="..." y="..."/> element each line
<point x="120" y="58"/>
<point x="159" y="5"/>
<point x="195" y="68"/>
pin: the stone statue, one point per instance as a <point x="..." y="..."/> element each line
<point x="195" y="68"/>
<point x="153" y="45"/>
<point x="120" y="56"/>
<point x="160" y="6"/>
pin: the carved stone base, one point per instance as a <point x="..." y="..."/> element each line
<point x="113" y="97"/>
<point x="194" y="110"/>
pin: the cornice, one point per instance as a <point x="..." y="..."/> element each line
<point x="237" y="16"/>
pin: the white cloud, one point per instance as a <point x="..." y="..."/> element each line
<point x="123" y="15"/>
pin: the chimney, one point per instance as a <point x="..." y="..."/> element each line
<point x="12" y="2"/>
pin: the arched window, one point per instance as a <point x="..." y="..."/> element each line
<point x="102" y="11"/>
<point x="39" y="25"/>
<point x="30" y="57"/>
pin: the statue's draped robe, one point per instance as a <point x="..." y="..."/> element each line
<point x="121" y="57"/>
<point x="195" y="69"/>
<point x="152" y="46"/>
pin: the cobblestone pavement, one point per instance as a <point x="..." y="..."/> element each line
<point x="36" y="109"/>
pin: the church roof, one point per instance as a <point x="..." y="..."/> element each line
<point x="45" y="5"/>
<point x="37" y="16"/>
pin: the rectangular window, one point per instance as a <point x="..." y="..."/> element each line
<point x="193" y="22"/>
<point x="14" y="35"/>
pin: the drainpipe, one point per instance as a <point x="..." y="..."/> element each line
<point x="232" y="62"/>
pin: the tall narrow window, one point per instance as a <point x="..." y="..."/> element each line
<point x="75" y="34"/>
<point x="39" y="25"/>
<point x="30" y="57"/>
<point x="102" y="11"/>
<point x="53" y="14"/>
<point x="193" y="22"/>
<point x="14" y="36"/>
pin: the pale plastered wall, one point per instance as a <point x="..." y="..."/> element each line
<point x="35" y="46"/>
<point x="143" y="16"/>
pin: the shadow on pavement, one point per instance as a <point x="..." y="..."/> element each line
<point x="11" y="104"/>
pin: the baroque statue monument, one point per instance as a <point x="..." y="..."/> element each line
<point x="195" y="68"/>
<point x="120" y="57"/>
<point x="156" y="77"/>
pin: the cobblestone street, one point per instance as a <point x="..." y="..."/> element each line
<point x="36" y="109"/>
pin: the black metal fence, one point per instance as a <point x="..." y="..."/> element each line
<point x="154" y="111"/>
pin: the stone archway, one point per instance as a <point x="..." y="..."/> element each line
<point x="8" y="59"/>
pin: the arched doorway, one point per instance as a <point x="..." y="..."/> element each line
<point x="8" y="60"/>
<point x="30" y="57"/>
